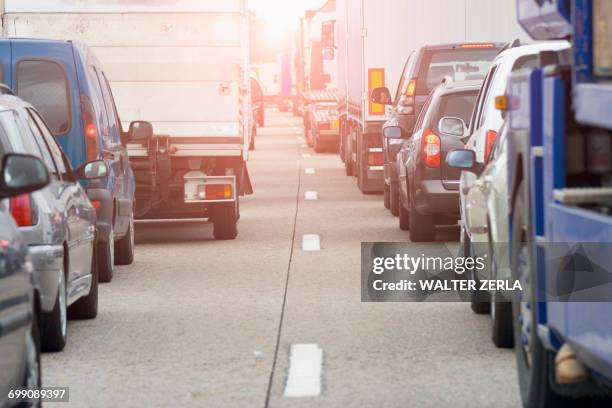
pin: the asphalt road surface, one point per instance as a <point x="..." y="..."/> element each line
<point x="202" y="323"/>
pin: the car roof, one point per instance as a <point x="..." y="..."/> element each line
<point x="12" y="102"/>
<point x="533" y="48"/>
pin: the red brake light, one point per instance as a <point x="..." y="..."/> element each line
<point x="89" y="129"/>
<point x="22" y="211"/>
<point x="96" y="204"/>
<point x="324" y="126"/>
<point x="490" y="140"/>
<point x="431" y="147"/>
<point x="376" y="159"/>
<point x="411" y="88"/>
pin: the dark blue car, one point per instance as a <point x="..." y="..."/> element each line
<point x="65" y="82"/>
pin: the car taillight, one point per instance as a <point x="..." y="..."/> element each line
<point x="490" y="140"/>
<point x="376" y="158"/>
<point x="430" y="147"/>
<point x="89" y="129"/>
<point x="96" y="204"/>
<point x="411" y="88"/>
<point x="22" y="210"/>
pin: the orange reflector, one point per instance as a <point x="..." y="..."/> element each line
<point x="376" y="79"/>
<point x="501" y="103"/>
<point x="478" y="45"/>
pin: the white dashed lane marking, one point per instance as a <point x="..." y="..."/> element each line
<point x="309" y="170"/>
<point x="305" y="365"/>
<point x="311" y="195"/>
<point x="311" y="242"/>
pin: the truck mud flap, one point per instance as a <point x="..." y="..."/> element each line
<point x="246" y="187"/>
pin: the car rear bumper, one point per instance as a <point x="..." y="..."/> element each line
<point x="432" y="198"/>
<point x="47" y="261"/>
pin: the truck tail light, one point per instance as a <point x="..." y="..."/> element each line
<point x="22" y="210"/>
<point x="489" y="142"/>
<point x="411" y="88"/>
<point x="324" y="126"/>
<point x="376" y="79"/>
<point x="215" y="192"/>
<point x="430" y="148"/>
<point x="89" y="129"/>
<point x="376" y="158"/>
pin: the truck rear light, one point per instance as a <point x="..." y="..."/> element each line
<point x="431" y="147"/>
<point x="376" y="159"/>
<point x="411" y="88"/>
<point x="22" y="210"/>
<point x="215" y="192"/>
<point x="489" y="142"/>
<point x="90" y="132"/>
<point x="324" y="126"/>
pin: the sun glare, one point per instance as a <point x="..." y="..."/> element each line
<point x="282" y="16"/>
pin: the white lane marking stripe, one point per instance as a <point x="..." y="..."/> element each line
<point x="309" y="170"/>
<point x="311" y="242"/>
<point x="311" y="195"/>
<point x="305" y="364"/>
<point x="304" y="145"/>
<point x="306" y="155"/>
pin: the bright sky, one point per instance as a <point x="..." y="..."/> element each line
<point x="283" y="15"/>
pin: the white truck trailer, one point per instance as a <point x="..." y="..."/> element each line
<point x="374" y="37"/>
<point x="182" y="65"/>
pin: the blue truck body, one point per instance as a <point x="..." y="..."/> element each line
<point x="548" y="103"/>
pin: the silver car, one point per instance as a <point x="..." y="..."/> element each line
<point x="57" y="222"/>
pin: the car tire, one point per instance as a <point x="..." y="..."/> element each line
<point x="479" y="302"/>
<point x="387" y="196"/>
<point x="534" y="362"/>
<point x="395" y="199"/>
<point x="32" y="378"/>
<point x="124" y="248"/>
<point x="225" y="221"/>
<point x="54" y="327"/>
<point x="106" y="258"/>
<point x="87" y="307"/>
<point x="422" y="226"/>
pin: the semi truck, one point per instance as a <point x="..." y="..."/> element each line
<point x="184" y="67"/>
<point x="374" y="38"/>
<point x="559" y="169"/>
<point x="319" y="77"/>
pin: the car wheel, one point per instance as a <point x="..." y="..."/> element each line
<point x="534" y="362"/>
<point x="32" y="378"/>
<point x="87" y="307"/>
<point x="54" y="324"/>
<point x="387" y="196"/>
<point x="106" y="258"/>
<point x="225" y="219"/>
<point x="395" y="198"/>
<point x="124" y="248"/>
<point x="501" y="312"/>
<point x="422" y="226"/>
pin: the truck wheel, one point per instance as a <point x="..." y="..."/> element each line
<point x="252" y="143"/>
<point x="404" y="216"/>
<point x="387" y="196"/>
<point x="395" y="200"/>
<point x="87" y="307"/>
<point x="106" y="258"/>
<point x="124" y="248"/>
<point x="348" y="158"/>
<point x="225" y="221"/>
<point x="422" y="227"/>
<point x="54" y="324"/>
<point x="534" y="362"/>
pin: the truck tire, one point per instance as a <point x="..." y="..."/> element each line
<point x="54" y="323"/>
<point x="106" y="258"/>
<point x="124" y="248"/>
<point x="534" y="373"/>
<point x="225" y="221"/>
<point x="87" y="307"/>
<point x="422" y="226"/>
<point x="395" y="199"/>
<point x="252" y="143"/>
<point x="387" y="196"/>
<point x="348" y="156"/>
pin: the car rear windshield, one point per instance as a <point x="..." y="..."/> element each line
<point x="456" y="105"/>
<point x="461" y="64"/>
<point x="44" y="85"/>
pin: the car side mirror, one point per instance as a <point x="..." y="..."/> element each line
<point x="92" y="170"/>
<point x="452" y="126"/>
<point x="381" y="95"/>
<point x="463" y="159"/>
<point x="393" y="132"/>
<point x="140" y="131"/>
<point x="22" y="174"/>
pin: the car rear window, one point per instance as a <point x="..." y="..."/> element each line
<point x="45" y="86"/>
<point x="456" y="105"/>
<point x="460" y="64"/>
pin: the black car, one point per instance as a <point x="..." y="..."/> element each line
<point x="428" y="187"/>
<point x="19" y="338"/>
<point x="423" y="71"/>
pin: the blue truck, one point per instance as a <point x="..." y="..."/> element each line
<point x="560" y="179"/>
